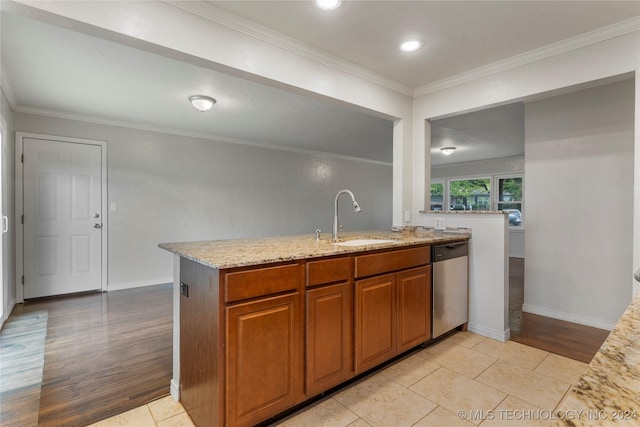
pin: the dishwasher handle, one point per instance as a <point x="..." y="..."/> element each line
<point x="449" y="250"/>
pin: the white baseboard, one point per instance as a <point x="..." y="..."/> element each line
<point x="568" y="317"/>
<point x="139" y="284"/>
<point x="175" y="391"/>
<point x="490" y="333"/>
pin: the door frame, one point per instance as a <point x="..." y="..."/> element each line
<point x="20" y="136"/>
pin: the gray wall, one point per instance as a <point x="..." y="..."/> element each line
<point x="579" y="194"/>
<point x="172" y="188"/>
<point x="8" y="191"/>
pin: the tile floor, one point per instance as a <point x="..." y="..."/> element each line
<point x="464" y="380"/>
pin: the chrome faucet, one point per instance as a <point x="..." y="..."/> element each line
<point x="336" y="223"/>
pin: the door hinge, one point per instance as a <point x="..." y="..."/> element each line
<point x="23" y="280"/>
<point x="22" y="219"/>
<point x="22" y="158"/>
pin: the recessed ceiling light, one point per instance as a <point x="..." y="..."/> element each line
<point x="447" y="151"/>
<point x="411" y="45"/>
<point x="328" y="4"/>
<point x="201" y="102"/>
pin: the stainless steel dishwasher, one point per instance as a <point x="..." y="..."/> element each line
<point x="450" y="286"/>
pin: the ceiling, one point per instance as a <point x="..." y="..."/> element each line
<point x="53" y="70"/>
<point x="458" y="35"/>
<point x="491" y="133"/>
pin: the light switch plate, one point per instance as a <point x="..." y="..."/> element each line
<point x="114" y="206"/>
<point x="407" y="216"/>
<point x="441" y="224"/>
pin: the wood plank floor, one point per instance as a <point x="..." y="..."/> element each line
<point x="567" y="339"/>
<point x="105" y="353"/>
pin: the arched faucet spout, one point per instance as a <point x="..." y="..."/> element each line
<point x="336" y="222"/>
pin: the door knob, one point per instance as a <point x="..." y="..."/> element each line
<point x="97" y="225"/>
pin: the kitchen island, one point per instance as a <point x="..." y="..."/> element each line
<point x="266" y="324"/>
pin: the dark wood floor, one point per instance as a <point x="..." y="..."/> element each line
<point x="105" y="353"/>
<point x="567" y="339"/>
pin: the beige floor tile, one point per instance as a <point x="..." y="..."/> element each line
<point x="457" y="392"/>
<point x="138" y="417"/>
<point x="513" y="352"/>
<point x="180" y="420"/>
<point x="465" y="339"/>
<point x="525" y="384"/>
<point x="460" y="359"/>
<point x="409" y="371"/>
<point x="359" y="423"/>
<point x="562" y="368"/>
<point x="164" y="408"/>
<point x="440" y="417"/>
<point x="328" y="413"/>
<point x="382" y="402"/>
<point x="514" y="412"/>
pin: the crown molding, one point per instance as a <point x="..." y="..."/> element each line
<point x="605" y="33"/>
<point x="250" y="28"/>
<point x="182" y="132"/>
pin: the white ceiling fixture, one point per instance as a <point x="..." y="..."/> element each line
<point x="328" y="4"/>
<point x="201" y="102"/>
<point x="447" y="151"/>
<point x="411" y="45"/>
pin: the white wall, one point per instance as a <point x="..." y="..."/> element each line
<point x="172" y="188"/>
<point x="488" y="269"/>
<point x="560" y="72"/>
<point x="579" y="161"/>
<point x="168" y="30"/>
<point x="8" y="186"/>
<point x="489" y="167"/>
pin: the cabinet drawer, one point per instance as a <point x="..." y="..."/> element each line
<point x="384" y="262"/>
<point x="328" y="271"/>
<point x="241" y="285"/>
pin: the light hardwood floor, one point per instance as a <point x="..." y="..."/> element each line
<point x="105" y="353"/>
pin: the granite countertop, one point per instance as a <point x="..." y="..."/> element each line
<point x="608" y="394"/>
<point x="245" y="252"/>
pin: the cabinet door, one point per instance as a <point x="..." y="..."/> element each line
<point x="414" y="307"/>
<point x="329" y="337"/>
<point x="375" y="321"/>
<point x="264" y="358"/>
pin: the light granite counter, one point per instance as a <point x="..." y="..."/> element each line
<point x="608" y="394"/>
<point x="246" y="252"/>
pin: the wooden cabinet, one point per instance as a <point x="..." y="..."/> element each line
<point x="264" y="358"/>
<point x="375" y="321"/>
<point x="393" y="311"/>
<point x="414" y="307"/>
<point x="256" y="341"/>
<point x="329" y="324"/>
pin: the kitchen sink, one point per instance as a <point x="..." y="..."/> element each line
<point x="364" y="242"/>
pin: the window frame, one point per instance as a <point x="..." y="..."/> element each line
<point x="494" y="180"/>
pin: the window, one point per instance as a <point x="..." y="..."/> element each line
<point x="509" y="191"/>
<point x="437" y="196"/>
<point x="470" y="194"/>
<point x="496" y="192"/>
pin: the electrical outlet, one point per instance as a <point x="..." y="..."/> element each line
<point x="407" y="216"/>
<point x="441" y="224"/>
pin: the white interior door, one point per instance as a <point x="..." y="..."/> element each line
<point x="62" y="217"/>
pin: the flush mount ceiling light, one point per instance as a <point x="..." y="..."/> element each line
<point x="328" y="4"/>
<point x="201" y="102"/>
<point x="447" y="151"/>
<point x="411" y="45"/>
